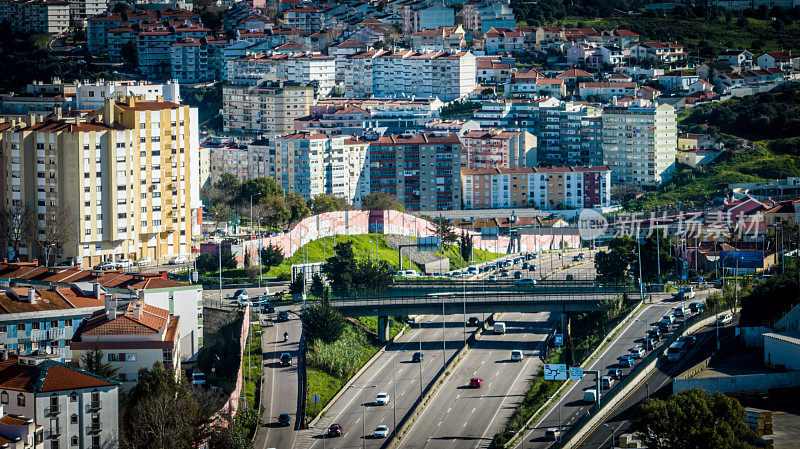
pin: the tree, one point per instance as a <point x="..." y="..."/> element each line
<point x="231" y="185"/>
<point x="160" y="412"/>
<point x="297" y="286"/>
<point x="94" y="361"/>
<point x="381" y="201"/>
<point x="323" y="322"/>
<point x="258" y="188"/>
<point x="325" y="203"/>
<point x="210" y="262"/>
<point x="693" y="419"/>
<point x="443" y="227"/>
<point x="340" y="268"/>
<point x="130" y="53"/>
<point x="57" y="228"/>
<point x="14" y="224"/>
<point x="298" y="208"/>
<point x="276" y="212"/>
<point x="317" y="285"/>
<point x="219" y="212"/>
<point x="373" y="277"/>
<point x="612" y="265"/>
<point x="271" y="256"/>
<point x="655" y="248"/>
<point x="466" y="245"/>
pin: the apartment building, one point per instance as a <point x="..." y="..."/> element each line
<point x="69" y="406"/>
<point x="494" y="148"/>
<point x="481" y="16"/>
<point x="545" y="188"/>
<point x="305" y="68"/>
<point x="447" y="76"/>
<point x="125" y="178"/>
<point x="197" y="60"/>
<point x="267" y="109"/>
<point x="383" y="115"/>
<point x="508" y="40"/>
<point x="420" y="170"/>
<point x="44" y="319"/>
<point x="109" y="32"/>
<point x="81" y="10"/>
<point x="305" y="18"/>
<point x="133" y="337"/>
<point x="565" y="132"/>
<point x="606" y="90"/>
<point x="426" y="15"/>
<point x="36" y="17"/>
<point x="666" y="52"/>
<point x="310" y="164"/>
<point x="230" y="157"/>
<point x="640" y="143"/>
<point x="154" y="46"/>
<point x="20" y="432"/>
<point x="439" y="39"/>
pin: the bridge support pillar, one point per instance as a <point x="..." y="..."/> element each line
<point x="383" y="329"/>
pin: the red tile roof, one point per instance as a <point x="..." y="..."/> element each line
<point x="47" y="376"/>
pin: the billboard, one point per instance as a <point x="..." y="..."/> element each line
<point x="745" y="259"/>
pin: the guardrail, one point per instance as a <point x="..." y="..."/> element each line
<point x="612" y="394"/>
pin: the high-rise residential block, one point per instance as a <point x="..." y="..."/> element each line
<point x="640" y="143"/>
<point x="267" y="109"/>
<point x="497" y="149"/>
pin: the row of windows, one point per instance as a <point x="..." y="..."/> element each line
<point x="36" y="325"/>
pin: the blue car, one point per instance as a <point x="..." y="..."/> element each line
<point x="625" y="361"/>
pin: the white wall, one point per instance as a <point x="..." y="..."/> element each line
<point x="781" y="353"/>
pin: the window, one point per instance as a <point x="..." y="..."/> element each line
<point x="73" y="419"/>
<point x="73" y="397"/>
<point x="68" y="322"/>
<point x="54" y="323"/>
<point x="21" y="327"/>
<point x="3" y="328"/>
<point x="21" y="400"/>
<point x="74" y="440"/>
<point x="4" y="397"/>
<point x="130" y="357"/>
<point x="54" y="443"/>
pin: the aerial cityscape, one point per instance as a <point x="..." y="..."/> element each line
<point x="274" y="224"/>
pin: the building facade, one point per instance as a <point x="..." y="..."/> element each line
<point x="497" y="149"/>
<point x="267" y="109"/>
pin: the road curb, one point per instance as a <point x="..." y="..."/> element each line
<point x="419" y="406"/>
<point x="513" y="441"/>
<point x="620" y="395"/>
<point x="353" y="379"/>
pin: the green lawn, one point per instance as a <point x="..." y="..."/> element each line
<point x="372" y="323"/>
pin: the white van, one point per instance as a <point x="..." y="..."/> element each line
<point x="590" y="396"/>
<point x="411" y="274"/>
<point x="675" y="351"/>
<point x="499" y="328"/>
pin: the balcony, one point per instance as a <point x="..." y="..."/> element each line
<point x="55" y="432"/>
<point x="53" y="410"/>
<point x="94" y="427"/>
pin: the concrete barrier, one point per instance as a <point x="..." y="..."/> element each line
<point x="691" y="372"/>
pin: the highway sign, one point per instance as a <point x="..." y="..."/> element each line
<point x="555" y="371"/>
<point x="315" y="399"/>
<point x="559" y="339"/>
<point x="429" y="244"/>
<point x="575" y="373"/>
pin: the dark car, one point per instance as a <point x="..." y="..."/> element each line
<point x="664" y="326"/>
<point x="570" y="277"/>
<point x="615" y="373"/>
<point x="335" y="430"/>
<point x="267" y="307"/>
<point x="283" y="315"/>
<point x="286" y="359"/>
<point x="648" y="344"/>
<point x="688" y="340"/>
<point x="417" y="357"/>
<point x="504" y="272"/>
<point x="517" y="275"/>
<point x="654" y="334"/>
<point x="525" y="265"/>
<point x="531" y="267"/>
<point x="285" y="419"/>
<point x="474" y="321"/>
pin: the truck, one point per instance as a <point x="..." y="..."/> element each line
<point x="499" y="328"/>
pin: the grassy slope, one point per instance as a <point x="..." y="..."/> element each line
<point x="757" y="36"/>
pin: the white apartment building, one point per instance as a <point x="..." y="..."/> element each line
<point x="36" y="17"/>
<point x="303" y="68"/>
<point x="71" y="407"/>
<point x="92" y="95"/>
<point x="267" y="109"/>
<point x="133" y="337"/>
<point x="81" y="10"/>
<point x="38" y="319"/>
<point x="447" y="76"/>
<point x="126" y="176"/>
<point x="640" y="143"/>
<point x="310" y="164"/>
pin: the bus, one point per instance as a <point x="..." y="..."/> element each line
<point x="676" y="351"/>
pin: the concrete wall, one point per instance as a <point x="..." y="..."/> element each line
<point x="746" y="383"/>
<point x="790" y="322"/>
<point x="780" y="353"/>
<point x="753" y="337"/>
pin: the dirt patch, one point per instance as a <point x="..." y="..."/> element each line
<point x="214" y="319"/>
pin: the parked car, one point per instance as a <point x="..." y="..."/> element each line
<point x="106" y="266"/>
<point x="615" y="373"/>
<point x="382" y="399"/>
<point x="335" y="430"/>
<point x="241" y="296"/>
<point x="531" y="267"/>
<point x="476" y="382"/>
<point x="381" y="432"/>
<point x="570" y="277"/>
<point x="286" y="359"/>
<point x="285" y="419"/>
<point x="724" y="319"/>
<point x="517" y="275"/>
<point x="491" y="278"/>
<point x="606" y="382"/>
<point x="516" y="355"/>
<point x="266" y="306"/>
<point x="525" y="265"/>
<point x="144" y="261"/>
<point x="417" y="357"/>
<point x="178" y="260"/>
<point x="503" y="272"/>
<point x="125" y="263"/>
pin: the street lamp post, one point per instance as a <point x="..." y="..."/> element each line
<point x="558" y="435"/>
<point x="420" y="359"/>
<point x="444" y="344"/>
<point x="394" y="391"/>
<point x="218" y="241"/>
<point x="612" y="434"/>
<point x="363" y="414"/>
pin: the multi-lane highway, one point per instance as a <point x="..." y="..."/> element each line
<point x="280" y="387"/>
<point x="657" y="384"/>
<point x="459" y="416"/>
<point x="392" y="370"/>
<point x="571" y="406"/>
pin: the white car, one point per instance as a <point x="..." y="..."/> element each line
<point x="516" y="355"/>
<point x="125" y="263"/>
<point x="108" y="265"/>
<point x="491" y="278"/>
<point x="724" y="319"/>
<point x="637" y="352"/>
<point x="381" y="432"/>
<point x="382" y="399"/>
<point x="144" y="261"/>
<point x="669" y="317"/>
<point x="178" y="260"/>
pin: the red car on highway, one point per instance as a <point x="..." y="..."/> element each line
<point x="335" y="430"/>
<point x="475" y="382"/>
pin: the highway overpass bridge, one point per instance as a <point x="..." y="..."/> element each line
<point x="432" y="297"/>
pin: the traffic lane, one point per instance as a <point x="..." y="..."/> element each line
<point x="570" y="407"/>
<point x="480" y="413"/>
<point x="557" y="263"/>
<point x="347" y="411"/>
<point x="280" y="388"/>
<point x="657" y="385"/>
